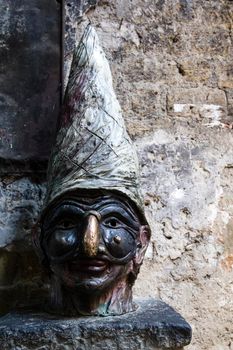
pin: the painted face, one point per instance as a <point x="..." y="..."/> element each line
<point x="90" y="243"/>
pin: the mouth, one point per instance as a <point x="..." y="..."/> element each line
<point x="90" y="266"/>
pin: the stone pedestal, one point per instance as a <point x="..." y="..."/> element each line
<point x="154" y="325"/>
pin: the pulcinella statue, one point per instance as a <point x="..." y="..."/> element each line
<point x="93" y="232"/>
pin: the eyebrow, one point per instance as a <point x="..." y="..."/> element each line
<point x="77" y="205"/>
<point x="119" y="207"/>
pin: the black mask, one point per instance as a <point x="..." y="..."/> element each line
<point x="64" y="226"/>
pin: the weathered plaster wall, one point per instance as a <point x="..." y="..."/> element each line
<point x="172" y="66"/>
<point x="172" y="69"/>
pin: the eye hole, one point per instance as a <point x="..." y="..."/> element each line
<point x="65" y="224"/>
<point x="112" y="223"/>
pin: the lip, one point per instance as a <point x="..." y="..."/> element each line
<point x="89" y="265"/>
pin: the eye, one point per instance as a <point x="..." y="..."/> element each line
<point x="65" y="224"/>
<point x="112" y="223"/>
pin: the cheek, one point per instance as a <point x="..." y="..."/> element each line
<point x="119" y="242"/>
<point x="64" y="275"/>
<point x="119" y="272"/>
<point x="61" y="242"/>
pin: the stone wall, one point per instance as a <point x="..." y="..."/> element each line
<point x="172" y="69"/>
<point x="29" y="77"/>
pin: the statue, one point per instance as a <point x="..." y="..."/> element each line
<point x="93" y="232"/>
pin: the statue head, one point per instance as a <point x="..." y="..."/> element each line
<point x="94" y="233"/>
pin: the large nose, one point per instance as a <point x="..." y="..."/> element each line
<point x="91" y="236"/>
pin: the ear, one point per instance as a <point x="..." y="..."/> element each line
<point x="36" y="241"/>
<point x="143" y="241"/>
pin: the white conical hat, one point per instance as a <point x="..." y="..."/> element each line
<point x="92" y="149"/>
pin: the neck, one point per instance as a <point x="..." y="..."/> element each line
<point x="115" y="301"/>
